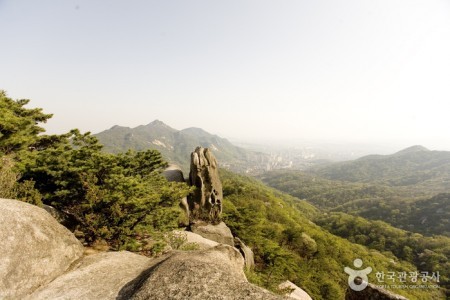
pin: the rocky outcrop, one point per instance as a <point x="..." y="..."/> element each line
<point x="219" y="233"/>
<point x="294" y="292"/>
<point x="246" y="252"/>
<point x="193" y="238"/>
<point x="43" y="260"/>
<point x="98" y="276"/>
<point x="206" y="201"/>
<point x="372" y="292"/>
<point x="215" y="273"/>
<point x="35" y="248"/>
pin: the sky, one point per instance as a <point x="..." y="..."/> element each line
<point x="349" y="71"/>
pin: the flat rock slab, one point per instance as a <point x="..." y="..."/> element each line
<point x="297" y="292"/>
<point x="98" y="276"/>
<point x="197" y="239"/>
<point x="219" y="233"/>
<point x="35" y="248"/>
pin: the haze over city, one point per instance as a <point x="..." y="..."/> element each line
<point x="347" y="71"/>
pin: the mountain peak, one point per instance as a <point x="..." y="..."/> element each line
<point x="118" y="127"/>
<point x="196" y="131"/>
<point x="157" y="123"/>
<point x="412" y="149"/>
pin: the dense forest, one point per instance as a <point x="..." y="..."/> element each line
<point x="399" y="206"/>
<point x="428" y="216"/>
<point x="387" y="218"/>
<point x="119" y="198"/>
<point x="289" y="245"/>
<point x="427" y="253"/>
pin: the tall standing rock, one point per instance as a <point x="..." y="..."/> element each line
<point x="206" y="201"/>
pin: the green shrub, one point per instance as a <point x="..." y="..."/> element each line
<point x="176" y="239"/>
<point x="191" y="246"/>
<point x="8" y="178"/>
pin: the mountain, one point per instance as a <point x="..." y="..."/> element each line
<point x="324" y="193"/>
<point x="176" y="145"/>
<point x="428" y="216"/>
<point x="408" y="189"/>
<point x="414" y="166"/>
<point x="412" y="149"/>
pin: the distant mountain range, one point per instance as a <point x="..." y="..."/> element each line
<point x="415" y="165"/>
<point x="176" y="145"/>
<point x="409" y="189"/>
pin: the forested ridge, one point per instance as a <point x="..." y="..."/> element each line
<point x="395" y="220"/>
<point x="408" y="208"/>
<point x="289" y="245"/>
<point x="415" y="167"/>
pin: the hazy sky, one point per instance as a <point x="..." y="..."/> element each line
<point x="359" y="70"/>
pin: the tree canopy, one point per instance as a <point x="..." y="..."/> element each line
<point x="112" y="197"/>
<point x="19" y="127"/>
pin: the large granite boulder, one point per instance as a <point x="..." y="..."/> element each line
<point x="97" y="276"/>
<point x="35" y="248"/>
<point x="219" y="233"/>
<point x="43" y="260"/>
<point x="173" y="173"/>
<point x="215" y="273"/>
<point x="206" y="201"/>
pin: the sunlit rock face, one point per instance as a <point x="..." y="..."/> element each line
<point x="206" y="201"/>
<point x="35" y="248"/>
